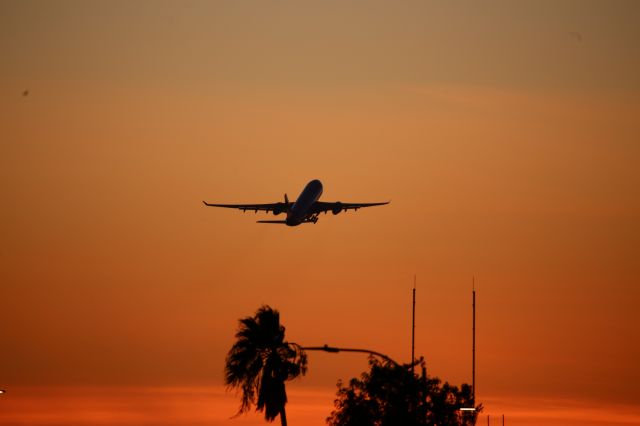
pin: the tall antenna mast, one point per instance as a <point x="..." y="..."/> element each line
<point x="473" y="345"/>
<point x="413" y="326"/>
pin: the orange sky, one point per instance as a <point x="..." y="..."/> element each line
<point x="508" y="145"/>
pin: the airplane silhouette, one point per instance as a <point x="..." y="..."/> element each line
<point x="305" y="209"/>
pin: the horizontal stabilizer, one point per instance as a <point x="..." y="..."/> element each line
<point x="272" y="221"/>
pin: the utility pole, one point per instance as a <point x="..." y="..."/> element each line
<point x="473" y="346"/>
<point x="413" y="327"/>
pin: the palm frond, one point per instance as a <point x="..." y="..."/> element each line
<point x="260" y="361"/>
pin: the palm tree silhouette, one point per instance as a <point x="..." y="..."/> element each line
<point x="260" y="361"/>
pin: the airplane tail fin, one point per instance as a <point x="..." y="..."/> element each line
<point x="286" y="199"/>
<point x="281" y="222"/>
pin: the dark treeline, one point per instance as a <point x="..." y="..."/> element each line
<point x="389" y="394"/>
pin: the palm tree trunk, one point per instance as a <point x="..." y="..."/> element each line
<point x="283" y="417"/>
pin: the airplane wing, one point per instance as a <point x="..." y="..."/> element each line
<point x="337" y="207"/>
<point x="272" y="207"/>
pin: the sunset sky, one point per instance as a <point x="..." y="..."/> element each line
<point x="506" y="134"/>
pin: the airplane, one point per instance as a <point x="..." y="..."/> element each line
<point x="305" y="209"/>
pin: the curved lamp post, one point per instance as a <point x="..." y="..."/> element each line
<point x="332" y="349"/>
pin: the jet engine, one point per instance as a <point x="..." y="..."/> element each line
<point x="279" y="208"/>
<point x="337" y="208"/>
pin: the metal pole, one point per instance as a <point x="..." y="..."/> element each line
<point x="332" y="349"/>
<point x="473" y="346"/>
<point x="413" y="327"/>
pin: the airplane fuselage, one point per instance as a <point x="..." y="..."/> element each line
<point x="299" y="211"/>
<point x="305" y="209"/>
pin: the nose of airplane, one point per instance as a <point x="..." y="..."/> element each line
<point x="316" y="185"/>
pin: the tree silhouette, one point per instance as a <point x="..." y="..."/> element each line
<point x="260" y="361"/>
<point x="390" y="394"/>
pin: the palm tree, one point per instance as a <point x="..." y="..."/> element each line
<point x="260" y="361"/>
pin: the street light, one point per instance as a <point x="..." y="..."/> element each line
<point x="332" y="349"/>
<point x="463" y="410"/>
